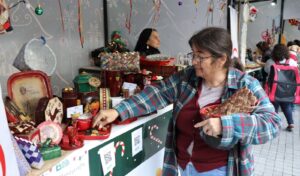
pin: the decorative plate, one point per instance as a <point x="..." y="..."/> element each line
<point x="51" y="130"/>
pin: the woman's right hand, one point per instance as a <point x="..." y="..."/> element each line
<point x="105" y="117"/>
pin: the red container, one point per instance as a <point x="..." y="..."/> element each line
<point x="26" y="88"/>
<point x="101" y="134"/>
<point x="113" y="81"/>
<point x="83" y="124"/>
<point x="34" y="136"/>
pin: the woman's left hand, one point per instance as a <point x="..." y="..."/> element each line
<point x="211" y="127"/>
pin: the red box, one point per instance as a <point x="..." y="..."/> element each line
<point x="26" y="88"/>
<point x="34" y="136"/>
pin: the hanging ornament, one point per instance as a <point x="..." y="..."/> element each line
<point x="294" y="22"/>
<point x="5" y="25"/>
<point x="128" y="18"/>
<point x="156" y="6"/>
<point x="179" y="3"/>
<point x="252" y="13"/>
<point x="210" y="13"/>
<point x="39" y="10"/>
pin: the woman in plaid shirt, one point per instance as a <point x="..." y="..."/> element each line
<point x="211" y="80"/>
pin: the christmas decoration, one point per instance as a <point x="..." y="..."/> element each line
<point x="252" y="13"/>
<point x="128" y="19"/>
<point x="152" y="137"/>
<point x="80" y="23"/>
<point x="5" y="25"/>
<point x="39" y="10"/>
<point x="294" y="22"/>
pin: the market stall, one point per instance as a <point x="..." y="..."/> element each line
<point x="128" y="150"/>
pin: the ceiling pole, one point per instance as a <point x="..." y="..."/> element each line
<point x="105" y="21"/>
<point x="281" y="21"/>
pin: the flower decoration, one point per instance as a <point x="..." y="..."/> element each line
<point x="294" y="22"/>
<point x="252" y="13"/>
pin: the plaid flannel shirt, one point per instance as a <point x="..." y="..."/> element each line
<point x="259" y="127"/>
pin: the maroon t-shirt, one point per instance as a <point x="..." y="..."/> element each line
<point x="204" y="157"/>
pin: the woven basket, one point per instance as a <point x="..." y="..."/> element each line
<point x="242" y="101"/>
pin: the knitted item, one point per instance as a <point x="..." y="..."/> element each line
<point x="31" y="153"/>
<point x="23" y="165"/>
<point x="242" y="101"/>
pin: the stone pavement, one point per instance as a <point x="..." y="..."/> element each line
<point x="281" y="156"/>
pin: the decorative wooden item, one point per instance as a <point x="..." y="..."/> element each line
<point x="49" y="110"/>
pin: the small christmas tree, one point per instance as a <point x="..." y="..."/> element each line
<point x="117" y="43"/>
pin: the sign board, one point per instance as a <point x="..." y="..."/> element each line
<point x="8" y="162"/>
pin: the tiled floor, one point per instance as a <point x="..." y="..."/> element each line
<point x="281" y="156"/>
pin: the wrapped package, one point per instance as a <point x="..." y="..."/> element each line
<point x="49" y="151"/>
<point x="26" y="130"/>
<point x="127" y="61"/>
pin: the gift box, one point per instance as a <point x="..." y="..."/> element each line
<point x="84" y="83"/>
<point x="33" y="136"/>
<point x="25" y="130"/>
<point x="50" y="151"/>
<point x="126" y="61"/>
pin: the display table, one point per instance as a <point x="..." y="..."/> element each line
<point x="133" y="149"/>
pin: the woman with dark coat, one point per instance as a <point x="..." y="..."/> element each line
<point x="148" y="42"/>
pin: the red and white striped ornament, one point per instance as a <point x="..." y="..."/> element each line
<point x="156" y="139"/>
<point x="119" y="143"/>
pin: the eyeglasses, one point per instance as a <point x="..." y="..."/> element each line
<point x="196" y="57"/>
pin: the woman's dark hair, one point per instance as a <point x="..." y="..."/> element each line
<point x="280" y="52"/>
<point x="141" y="44"/>
<point x="297" y="42"/>
<point x="215" y="40"/>
<point x="291" y="43"/>
<point x="263" y="46"/>
<point x="236" y="63"/>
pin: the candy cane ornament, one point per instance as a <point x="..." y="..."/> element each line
<point x="152" y="136"/>
<point x="119" y="143"/>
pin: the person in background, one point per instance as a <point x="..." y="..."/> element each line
<point x="264" y="52"/>
<point x="210" y="80"/>
<point x="280" y="55"/>
<point x="148" y="42"/>
<point x="293" y="49"/>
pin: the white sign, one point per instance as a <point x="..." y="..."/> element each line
<point x="75" y="110"/>
<point x="107" y="157"/>
<point x="234" y="31"/>
<point x="8" y="162"/>
<point x="75" y="164"/>
<point x="137" y="141"/>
